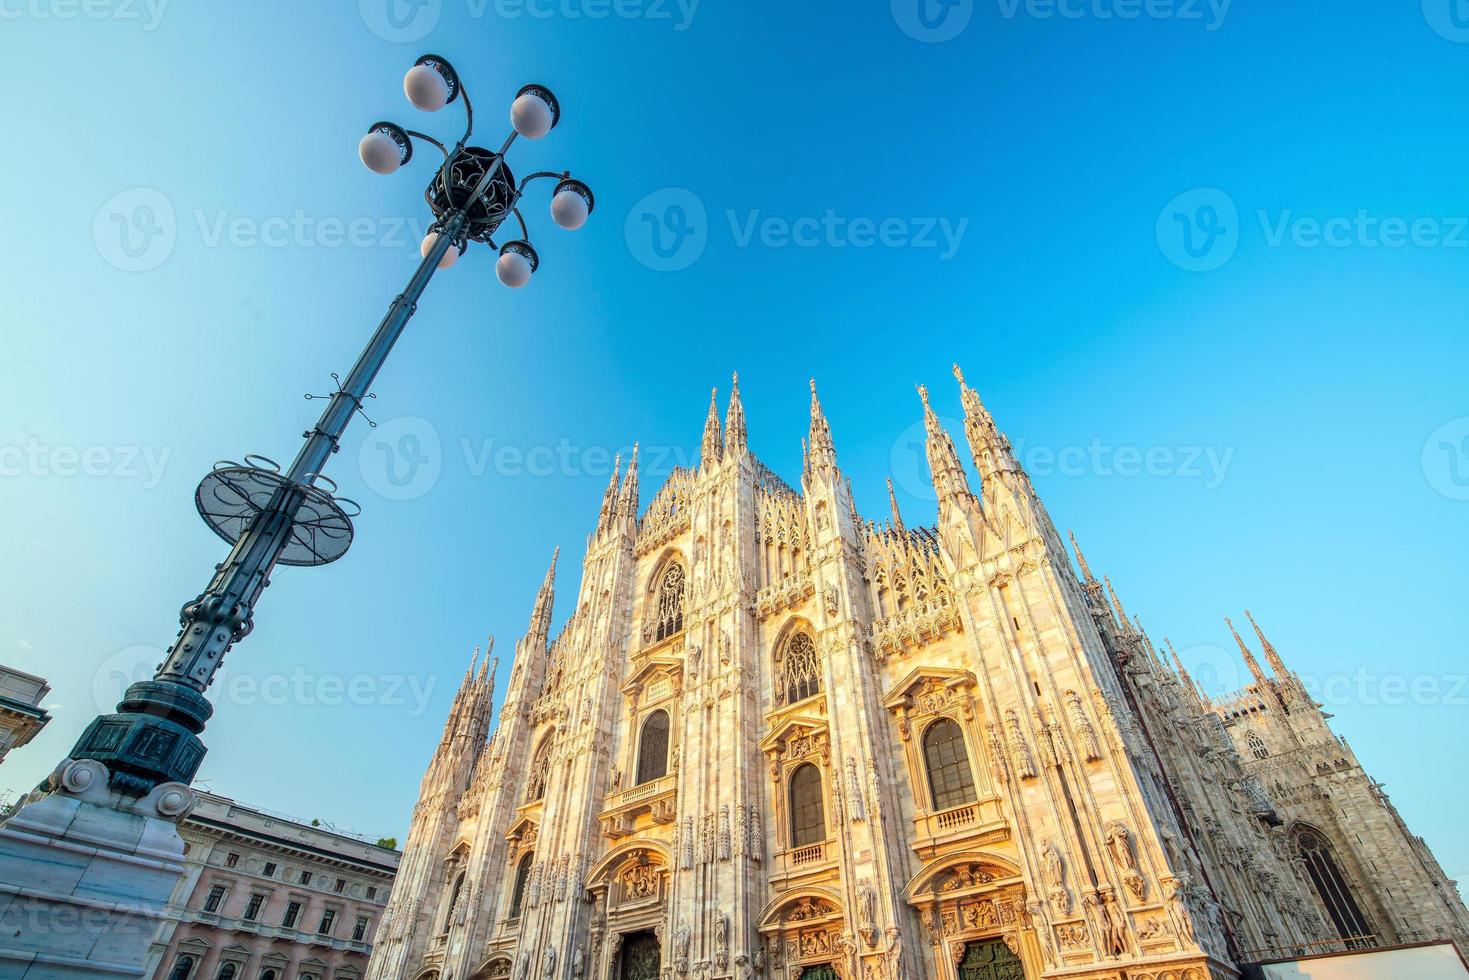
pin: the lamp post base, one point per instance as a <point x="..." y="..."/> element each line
<point x="85" y="872"/>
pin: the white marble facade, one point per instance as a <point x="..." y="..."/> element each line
<point x="775" y="739"/>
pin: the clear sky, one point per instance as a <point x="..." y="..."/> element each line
<point x="1207" y="265"/>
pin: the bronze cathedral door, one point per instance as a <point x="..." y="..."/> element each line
<point x="990" y="959"/>
<point x="640" y="957"/>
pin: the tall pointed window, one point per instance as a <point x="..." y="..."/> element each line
<point x="669" y="618"/>
<point x="808" y="820"/>
<point x="800" y="669"/>
<point x="1257" y="745"/>
<point x="1331" y="887"/>
<point x="950" y="779"/>
<point x="540" y="771"/>
<point x="653" y="748"/>
<point x="522" y="875"/>
<point x="455" y="894"/>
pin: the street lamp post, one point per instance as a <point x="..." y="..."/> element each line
<point x="296" y="517"/>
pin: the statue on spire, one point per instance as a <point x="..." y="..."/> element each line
<point x="736" y="437"/>
<point x="713" y="445"/>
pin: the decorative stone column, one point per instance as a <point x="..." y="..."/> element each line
<point x="85" y="872"/>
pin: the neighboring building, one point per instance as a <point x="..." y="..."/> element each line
<point x="775" y="739"/>
<point x="268" y="898"/>
<point x="21" y="714"/>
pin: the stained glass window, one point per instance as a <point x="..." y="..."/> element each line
<point x="801" y="668"/>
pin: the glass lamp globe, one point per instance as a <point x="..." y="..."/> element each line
<point x="379" y="153"/>
<point x="426" y="88"/>
<point x="449" y="257"/>
<point x="535" y="112"/>
<point x="571" y="205"/>
<point x="516" y="263"/>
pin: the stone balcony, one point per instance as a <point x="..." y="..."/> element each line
<point x="797" y="863"/>
<point x="982" y="821"/>
<point x="652" y="802"/>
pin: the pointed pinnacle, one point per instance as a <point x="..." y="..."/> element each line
<point x="893" y="503"/>
<point x="923" y="394"/>
<point x="1250" y="660"/>
<point x="1276" y="663"/>
<point x="1086" y="572"/>
<point x="958" y="374"/>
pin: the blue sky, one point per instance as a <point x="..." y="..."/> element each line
<point x="1207" y="267"/>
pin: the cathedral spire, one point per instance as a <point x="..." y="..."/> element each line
<point x="1188" y="681"/>
<point x="713" y="445"/>
<point x="1086" y="572"/>
<point x="540" y="617"/>
<point x="1276" y="664"/>
<point x="484" y="667"/>
<point x="943" y="461"/>
<point x="1250" y="660"/>
<point x="609" y="496"/>
<point x="1122" y="616"/>
<point x="735" y="435"/>
<point x="893" y="503"/>
<point x="987" y="444"/>
<point x="627" y="498"/>
<point x="821" y="453"/>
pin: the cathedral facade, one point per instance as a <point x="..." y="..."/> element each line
<point x="775" y="740"/>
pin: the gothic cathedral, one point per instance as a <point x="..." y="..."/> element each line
<point x="775" y="740"/>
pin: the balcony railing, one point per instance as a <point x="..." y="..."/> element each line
<point x="959" y="816"/>
<point x="981" y="819"/>
<point x="811" y="854"/>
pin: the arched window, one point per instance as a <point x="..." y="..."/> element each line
<point x="669" y="617"/>
<point x="808" y="821"/>
<point x="950" y="779"/>
<point x="800" y="674"/>
<point x="653" y="748"/>
<point x="1257" y="745"/>
<point x="454" y="894"/>
<point x="182" y="967"/>
<point x="540" y="771"/>
<point x="267" y="975"/>
<point x="1331" y="887"/>
<point x="517" y="894"/>
<point x="227" y="972"/>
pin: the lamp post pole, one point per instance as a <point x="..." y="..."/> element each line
<point x="295" y="517"/>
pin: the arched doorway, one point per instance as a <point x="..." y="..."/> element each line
<point x="640" y="957"/>
<point x="821" y="971"/>
<point x="989" y="959"/>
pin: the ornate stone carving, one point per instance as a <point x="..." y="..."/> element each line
<point x="1081" y="728"/>
<point x="1024" y="763"/>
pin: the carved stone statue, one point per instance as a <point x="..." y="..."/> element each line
<point x="548" y="963"/>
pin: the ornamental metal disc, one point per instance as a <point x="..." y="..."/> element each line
<point x="231" y="496"/>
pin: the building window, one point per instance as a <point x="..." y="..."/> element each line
<point x="1331" y="887"/>
<point x="360" y="929"/>
<point x="669" y="617"/>
<point x="216" y="896"/>
<point x="517" y="894"/>
<point x="800" y="670"/>
<point x="328" y="919"/>
<point x="1257" y="745"/>
<point x="540" y="771"/>
<point x="341" y="885"/>
<point x="252" y="909"/>
<point x="227" y="972"/>
<point x="371" y="891"/>
<point x="653" y="748"/>
<point x="182" y="967"/>
<point x="306" y="877"/>
<point x="231" y="859"/>
<point x="950" y="779"/>
<point x="808" y="822"/>
<point x="267" y="975"/>
<point x="293" y="912"/>
<point x="270" y="869"/>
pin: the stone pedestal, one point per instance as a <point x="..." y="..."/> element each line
<point x="85" y="872"/>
